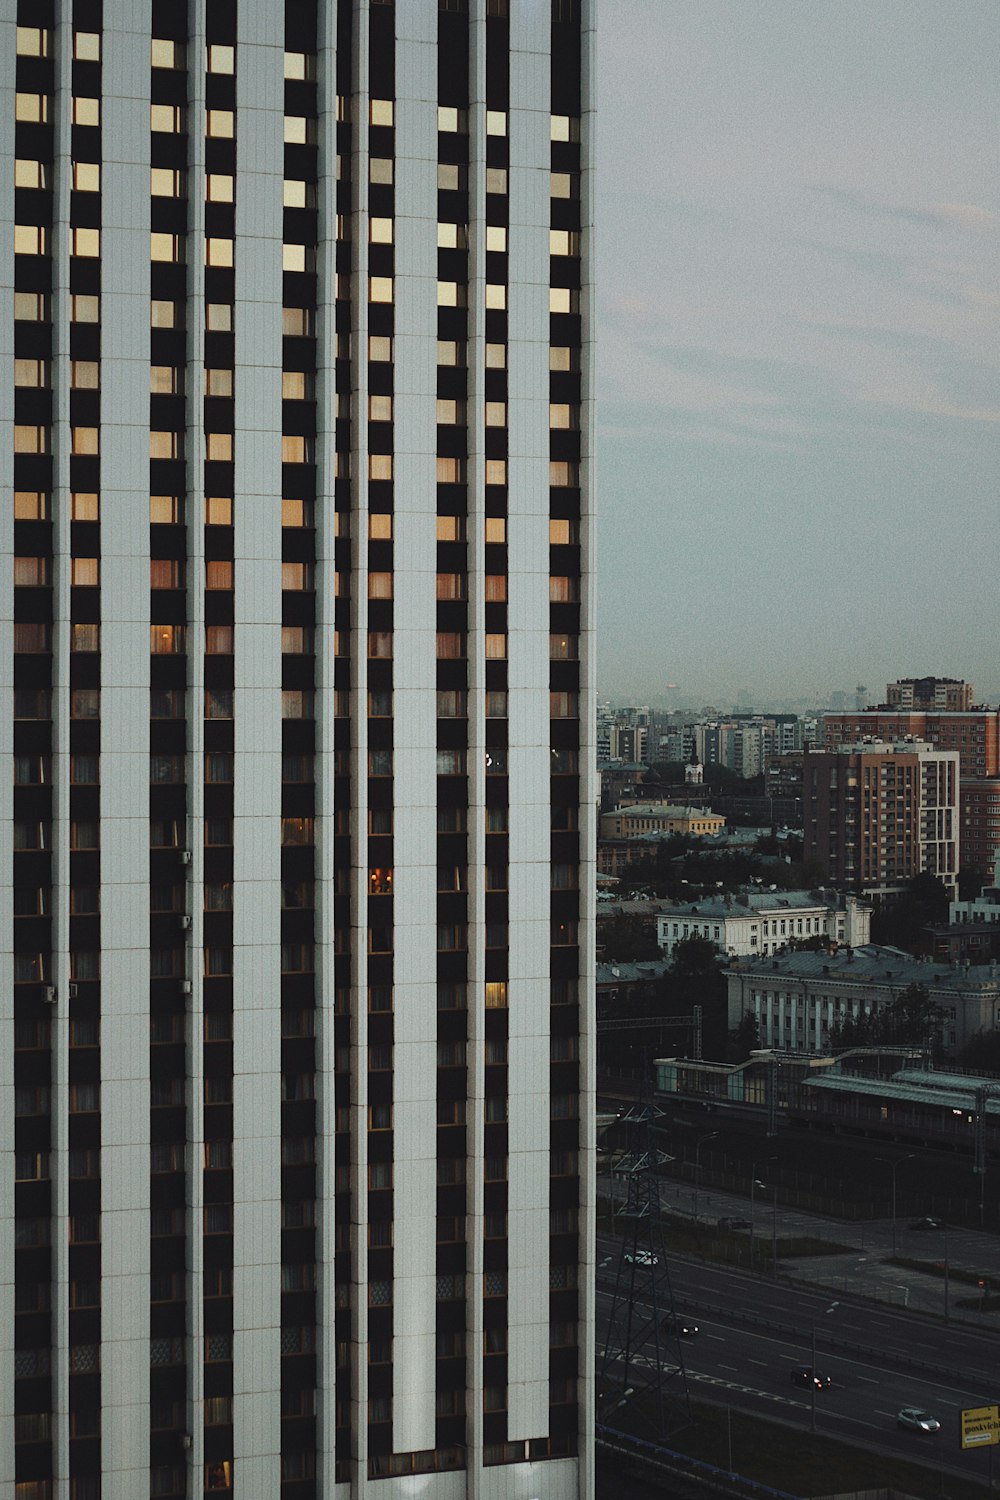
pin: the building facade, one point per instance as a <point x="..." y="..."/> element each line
<point x="875" y="815"/>
<point x="658" y="817"/>
<point x="795" y="998"/>
<point x="298" y="898"/>
<point x="762" y="922"/>
<point x="943" y="693"/>
<point x="973" y="734"/>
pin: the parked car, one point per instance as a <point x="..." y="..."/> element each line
<point x="915" y="1419"/>
<point x="735" y="1224"/>
<point x="642" y="1258"/>
<point x="676" y="1323"/>
<point x="803" y="1375"/>
<point x="926" y="1223"/>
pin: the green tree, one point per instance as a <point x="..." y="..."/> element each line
<point x="744" y="1039"/>
<point x="627" y="938"/>
<point x="902" y="923"/>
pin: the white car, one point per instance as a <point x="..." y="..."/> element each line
<point x="916" y="1420"/>
<point x="642" y="1258"/>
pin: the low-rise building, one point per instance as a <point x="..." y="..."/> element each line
<point x="796" y="997"/>
<point x="764" y="922"/>
<point x="658" y="817"/>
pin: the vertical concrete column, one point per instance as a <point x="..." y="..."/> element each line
<point x="415" y="730"/>
<point x="125" y="746"/>
<point x="257" y="777"/>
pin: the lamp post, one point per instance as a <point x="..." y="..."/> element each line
<point x="892" y="1165"/>
<point x="812" y="1368"/>
<point x="756" y="1183"/>
<point x="697" y="1164"/>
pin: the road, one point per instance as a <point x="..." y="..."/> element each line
<point x="752" y="1334"/>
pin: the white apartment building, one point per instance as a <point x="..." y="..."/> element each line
<point x="762" y="922"/>
<point x="296" y="882"/>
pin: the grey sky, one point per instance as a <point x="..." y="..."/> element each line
<point x="799" y="417"/>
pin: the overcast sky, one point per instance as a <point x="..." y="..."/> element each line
<point x="799" y="409"/>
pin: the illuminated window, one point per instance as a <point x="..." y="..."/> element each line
<point x="380" y="231"/>
<point x="84" y="506"/>
<point x="85" y="439"/>
<point x="30" y="505"/>
<point x="496" y="179"/>
<point x="450" y="470"/>
<point x="380" y="466"/>
<point x="166" y="119"/>
<point x="31" y="41"/>
<point x="86" y="242"/>
<point x="380" y="288"/>
<point x="164" y="510"/>
<point x="29" y="239"/>
<point x="31" y="108"/>
<point x="451" y="294"/>
<point x="563" y="299"/>
<point x="298" y="65"/>
<point x="564" y="128"/>
<point x="564" y="242"/>
<point x="495" y="528"/>
<point x="218" y="382"/>
<point x="164" y="444"/>
<point x="165" y="54"/>
<point x="166" y="247"/>
<point x="165" y="182"/>
<point x="85" y="572"/>
<point x="86" y="111"/>
<point x="296" y="193"/>
<point x="451" y="120"/>
<point x="162" y="314"/>
<point x="495" y="647"/>
<point x="219" y="447"/>
<point x="219" y="188"/>
<point x="451" y="237"/>
<point x="380" y="169"/>
<point x="451" y="528"/>
<point x="221" y="59"/>
<point x="85" y="375"/>
<point x="496" y="414"/>
<point x="31" y="373"/>
<point x="219" y="317"/>
<point x="380" y="526"/>
<point x="496" y="237"/>
<point x="218" y="252"/>
<point x="29" y="173"/>
<point x="496" y="471"/>
<point x="496" y="122"/>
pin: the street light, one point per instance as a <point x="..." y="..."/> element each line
<point x="756" y="1183"/>
<point x="812" y="1371"/>
<point x="892" y="1165"/>
<point x="697" y="1150"/>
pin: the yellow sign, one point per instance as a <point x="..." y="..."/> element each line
<point x="980" y="1426"/>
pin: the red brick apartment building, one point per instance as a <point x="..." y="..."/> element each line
<point x="973" y="733"/>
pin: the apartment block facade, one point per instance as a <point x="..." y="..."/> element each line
<point x="296" y="880"/>
<point x="875" y="815"/>
<point x="972" y="733"/>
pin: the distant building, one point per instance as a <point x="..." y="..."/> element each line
<point x="943" y="693"/>
<point x="762" y="922"/>
<point x="796" y="998"/>
<point x="658" y="817"/>
<point x="876" y="814"/>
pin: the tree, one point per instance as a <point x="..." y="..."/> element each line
<point x="627" y="938"/>
<point x="910" y="1019"/>
<point x="970" y="883"/>
<point x="744" y="1039"/>
<point x="696" y="977"/>
<point x="901" y="923"/>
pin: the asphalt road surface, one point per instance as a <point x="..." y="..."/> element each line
<point x="754" y="1332"/>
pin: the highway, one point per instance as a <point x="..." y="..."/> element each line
<point x="754" y="1332"/>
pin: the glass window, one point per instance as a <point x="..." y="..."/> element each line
<point x="219" y="187"/>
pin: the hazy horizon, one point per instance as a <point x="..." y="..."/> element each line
<point x="798" y="414"/>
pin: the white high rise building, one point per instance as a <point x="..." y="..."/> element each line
<point x="296" y="1039"/>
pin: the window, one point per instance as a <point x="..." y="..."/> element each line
<point x="220" y="123"/>
<point x="166" y="182"/>
<point x="31" y="108"/>
<point x="30" y="505"/>
<point x="86" y="111"/>
<point x="166" y="118"/>
<point x="218" y="574"/>
<point x="166" y="54"/>
<point x="221" y="59"/>
<point x="29" y="173"/>
<point x="219" y="187"/>
<point x="219" y="317"/>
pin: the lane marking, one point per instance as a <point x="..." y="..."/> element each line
<point x="734" y="1368"/>
<point x="868" y="1380"/>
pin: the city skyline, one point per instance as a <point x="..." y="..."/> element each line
<point x="798" y="320"/>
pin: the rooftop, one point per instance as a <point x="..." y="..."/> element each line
<point x="872" y="964"/>
<point x="745" y="902"/>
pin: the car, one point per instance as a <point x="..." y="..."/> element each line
<point x="642" y="1258"/>
<point x="677" y="1324"/>
<point x="803" y="1375"/>
<point x="926" y="1223"/>
<point x="735" y="1224"/>
<point x="915" y="1419"/>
